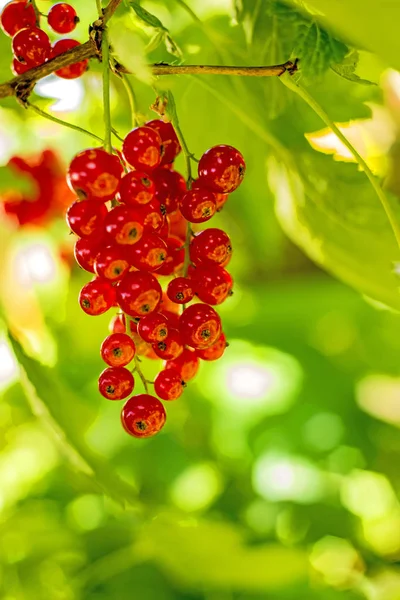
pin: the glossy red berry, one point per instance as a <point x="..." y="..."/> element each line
<point x="112" y="262"/>
<point x="170" y="188"/>
<point x="169" y="140"/>
<point x="198" y="206"/>
<point x="175" y="257"/>
<point x="31" y="46"/>
<point x="220" y="199"/>
<point x="187" y="364"/>
<point x="172" y="318"/>
<point x="168" y="385"/>
<point x="71" y="71"/>
<point x="96" y="297"/>
<point x="210" y="247"/>
<point x="180" y="290"/>
<point x="136" y="188"/>
<point x="62" y="18"/>
<point x="212" y="284"/>
<point x="142" y="148"/>
<point x="124" y="225"/>
<point x="200" y="326"/>
<point x="86" y="250"/>
<point x="153" y="215"/>
<point x="215" y="351"/>
<point x="19" y="68"/>
<point x="153" y="328"/>
<point x="85" y="217"/>
<point x="94" y="173"/>
<point x="139" y="293"/>
<point x="116" y="383"/>
<point x="222" y="169"/>
<point x="149" y="253"/>
<point x="17" y="15"/>
<point x="117" y="324"/>
<point x="118" y="350"/>
<point x="171" y="347"/>
<point x="143" y="416"/>
<point x="177" y="225"/>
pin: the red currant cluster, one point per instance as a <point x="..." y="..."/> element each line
<point x="31" y="45"/>
<point x="132" y="217"/>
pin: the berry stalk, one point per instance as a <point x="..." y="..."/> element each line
<point x="46" y="115"/>
<point x="106" y="92"/>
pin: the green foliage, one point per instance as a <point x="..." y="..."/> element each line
<point x="11" y="180"/>
<point x="348" y="66"/>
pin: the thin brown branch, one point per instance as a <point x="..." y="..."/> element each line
<point x="274" y="70"/>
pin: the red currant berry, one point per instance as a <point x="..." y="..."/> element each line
<point x="116" y="383"/>
<point x="172" y="318"/>
<point x="31" y="46"/>
<point x="117" y="350"/>
<point x="177" y="225"/>
<point x="222" y="169"/>
<point x="164" y="231"/>
<point x="215" y="351"/>
<point x="187" y="364"/>
<point x="71" y="71"/>
<point x="62" y="18"/>
<point x="112" y="263"/>
<point x="167" y="306"/>
<point x="175" y="257"/>
<point x="84" y="218"/>
<point x="94" y="173"/>
<point x="200" y="326"/>
<point x="210" y="247"/>
<point x="139" y="293"/>
<point x="169" y="140"/>
<point x="180" y="290"/>
<point x="17" y="15"/>
<point x="19" y="68"/>
<point x="136" y="188"/>
<point x="168" y="385"/>
<point x="117" y="324"/>
<point x="153" y="328"/>
<point x="142" y="148"/>
<point x="153" y="215"/>
<point x="212" y="284"/>
<point x="124" y="225"/>
<point x="149" y="253"/>
<point x="198" y="206"/>
<point x="171" y="347"/>
<point x="220" y="199"/>
<point x="170" y="188"/>
<point x="86" y="250"/>
<point x="96" y="297"/>
<point x="143" y="416"/>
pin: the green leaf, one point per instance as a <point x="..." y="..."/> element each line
<point x="347" y="69"/>
<point x="61" y="410"/>
<point x="130" y="48"/>
<point x="145" y="16"/>
<point x="316" y="49"/>
<point x="13" y="179"/>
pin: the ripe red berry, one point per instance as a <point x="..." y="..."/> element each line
<point x="169" y="140"/>
<point x="187" y="364"/>
<point x="17" y="15"/>
<point x="215" y="351"/>
<point x="172" y="318"/>
<point x="117" y="324"/>
<point x="96" y="297"/>
<point x="94" y="173"/>
<point x="112" y="262"/>
<point x="149" y="253"/>
<point x="139" y="293"/>
<point x="177" y="225"/>
<point x="180" y="290"/>
<point x="116" y="383"/>
<point x="19" y="68"/>
<point x="85" y="217"/>
<point x="71" y="71"/>
<point x="62" y="18"/>
<point x="117" y="350"/>
<point x="86" y="250"/>
<point x="136" y="188"/>
<point x="175" y="257"/>
<point x="171" y="347"/>
<point x="124" y="225"/>
<point x="220" y="199"/>
<point x="170" y="188"/>
<point x="222" y="169"/>
<point x="210" y="247"/>
<point x="153" y="328"/>
<point x="168" y="385"/>
<point x="142" y="148"/>
<point x="200" y="326"/>
<point x="198" y="206"/>
<point x="143" y="416"/>
<point x="31" y="46"/>
<point x="212" y="284"/>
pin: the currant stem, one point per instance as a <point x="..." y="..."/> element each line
<point x="99" y="9"/>
<point x="142" y="377"/>
<point x="132" y="99"/>
<point x="106" y="92"/>
<point x="304" y="94"/>
<point x="46" y="115"/>
<point x="37" y="12"/>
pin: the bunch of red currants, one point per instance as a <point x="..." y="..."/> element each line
<point x="133" y="217"/>
<point x="31" y="45"/>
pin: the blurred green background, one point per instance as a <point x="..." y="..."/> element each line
<point x="276" y="476"/>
